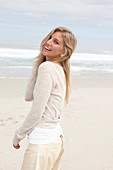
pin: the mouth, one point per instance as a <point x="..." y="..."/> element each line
<point x="46" y="48"/>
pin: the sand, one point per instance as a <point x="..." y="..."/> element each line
<point x="87" y="123"/>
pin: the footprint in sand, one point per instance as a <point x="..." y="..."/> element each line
<point x="10" y="120"/>
<point x="22" y="116"/>
<point x="15" y="122"/>
<point x="2" y="122"/>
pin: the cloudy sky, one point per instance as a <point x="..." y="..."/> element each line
<point x="24" y="23"/>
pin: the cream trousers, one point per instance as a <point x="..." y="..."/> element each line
<point x="43" y="157"/>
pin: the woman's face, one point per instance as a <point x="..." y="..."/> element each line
<point x="53" y="48"/>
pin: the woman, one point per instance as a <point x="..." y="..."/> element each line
<point x="48" y="88"/>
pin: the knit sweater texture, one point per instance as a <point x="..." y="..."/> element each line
<point x="47" y="92"/>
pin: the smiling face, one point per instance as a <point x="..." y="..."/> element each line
<point x="53" y="48"/>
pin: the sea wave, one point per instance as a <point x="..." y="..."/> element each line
<point x="15" y="67"/>
<point x="18" y="53"/>
<point x="91" y="57"/>
<point x="76" y="69"/>
<point x="29" y="53"/>
<point x="19" y="62"/>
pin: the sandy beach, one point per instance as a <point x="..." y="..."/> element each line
<point x="87" y="123"/>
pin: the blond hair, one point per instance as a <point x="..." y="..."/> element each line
<point x="70" y="42"/>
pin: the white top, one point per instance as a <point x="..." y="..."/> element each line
<point x="44" y="136"/>
<point x="47" y="91"/>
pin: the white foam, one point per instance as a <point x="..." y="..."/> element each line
<point x="16" y="67"/>
<point x="29" y="53"/>
<point x="91" y="57"/>
<point x="77" y="69"/>
<point x="18" y="53"/>
<point x="81" y="63"/>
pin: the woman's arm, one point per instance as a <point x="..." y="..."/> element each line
<point x="42" y="93"/>
<point x="30" y="87"/>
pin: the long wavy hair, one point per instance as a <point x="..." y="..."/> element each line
<point x="69" y="44"/>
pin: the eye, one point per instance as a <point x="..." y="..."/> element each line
<point x="50" y="37"/>
<point x="56" y="42"/>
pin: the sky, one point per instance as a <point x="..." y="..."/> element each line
<point x="24" y="23"/>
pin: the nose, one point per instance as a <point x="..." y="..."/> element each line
<point x="49" y="42"/>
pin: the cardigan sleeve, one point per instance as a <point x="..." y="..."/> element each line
<point x="42" y="91"/>
<point x="30" y="88"/>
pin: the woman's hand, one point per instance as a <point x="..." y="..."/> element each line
<point x="16" y="147"/>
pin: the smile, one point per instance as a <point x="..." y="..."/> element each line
<point x="47" y="48"/>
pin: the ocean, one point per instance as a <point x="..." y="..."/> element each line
<point x="17" y="63"/>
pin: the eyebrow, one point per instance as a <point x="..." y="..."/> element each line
<point x="57" y="39"/>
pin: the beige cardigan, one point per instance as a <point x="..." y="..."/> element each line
<point x="48" y="94"/>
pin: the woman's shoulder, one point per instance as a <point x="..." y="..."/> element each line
<point x="45" y="66"/>
<point x="51" y="67"/>
<point x="48" y="66"/>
